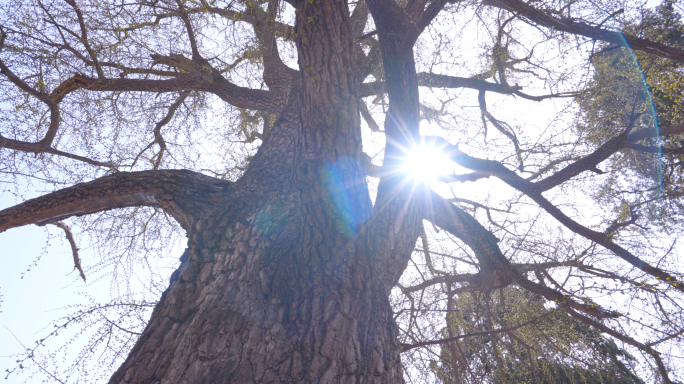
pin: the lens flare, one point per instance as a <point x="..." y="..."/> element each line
<point x="427" y="163"/>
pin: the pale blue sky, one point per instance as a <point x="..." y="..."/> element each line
<point x="30" y="305"/>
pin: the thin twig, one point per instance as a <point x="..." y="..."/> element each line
<point x="74" y="248"/>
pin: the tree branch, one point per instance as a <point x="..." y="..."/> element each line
<point x="433" y="80"/>
<point x="406" y="347"/>
<point x="84" y="38"/>
<point x="249" y="16"/>
<point x="499" y="125"/>
<point x="428" y="15"/>
<point x="278" y="76"/>
<point x="586" y="163"/>
<point x="45" y="144"/>
<point x="180" y="193"/>
<point x="646" y="133"/>
<point x="72" y="243"/>
<point x="191" y="33"/>
<point x="462" y="278"/>
<point x="606" y="150"/>
<point x="539" y="17"/>
<point x="443" y="81"/>
<point x="532" y="191"/>
<point x="240" y="97"/>
<point x="473" y="176"/>
<point x="485" y="246"/>
<point x="653" y="149"/>
<point x="38" y="147"/>
<point x="158" y="138"/>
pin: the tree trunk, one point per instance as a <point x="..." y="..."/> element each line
<point x="263" y="297"/>
<point x="279" y="283"/>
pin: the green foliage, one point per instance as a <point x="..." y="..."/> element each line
<point x="554" y="348"/>
<point x="632" y="90"/>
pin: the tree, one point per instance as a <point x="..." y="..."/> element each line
<point x="519" y="355"/>
<point x="290" y="265"/>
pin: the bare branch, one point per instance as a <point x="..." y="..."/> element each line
<point x="428" y="15"/>
<point x="433" y="80"/>
<point x="539" y="17"/>
<point x="363" y="108"/>
<point x="462" y="278"/>
<point x="40" y="148"/>
<point x="277" y="75"/>
<point x="191" y="34"/>
<point x="606" y="150"/>
<point x="492" y="261"/>
<point x="232" y="94"/>
<point x="586" y="163"/>
<point x="180" y="193"/>
<point x="158" y="138"/>
<point x="406" y="347"/>
<point x="473" y="176"/>
<point x="45" y="144"/>
<point x="533" y="191"/>
<point x="552" y="164"/>
<point x="84" y="38"/>
<point x="72" y="243"/>
<point x="661" y="131"/>
<point x="499" y="125"/>
<point x="249" y="16"/>
<point x="652" y="149"/>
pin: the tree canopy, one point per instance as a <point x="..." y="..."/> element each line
<point x="537" y="146"/>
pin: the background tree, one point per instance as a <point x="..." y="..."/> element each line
<point x="519" y="354"/>
<point x="239" y="124"/>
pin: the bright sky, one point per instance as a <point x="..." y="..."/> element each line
<point x="30" y="304"/>
<point x="34" y="295"/>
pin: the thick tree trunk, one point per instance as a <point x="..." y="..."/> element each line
<point x="262" y="297"/>
<point x="279" y="283"/>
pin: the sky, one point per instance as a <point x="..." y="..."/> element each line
<point x="29" y="300"/>
<point x="34" y="294"/>
<point x="39" y="287"/>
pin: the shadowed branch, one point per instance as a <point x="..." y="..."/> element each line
<point x="180" y="193"/>
<point x="493" y="264"/>
<point x="563" y="24"/>
<point x="533" y="191"/>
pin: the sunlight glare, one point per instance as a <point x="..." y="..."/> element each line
<point x="427" y="162"/>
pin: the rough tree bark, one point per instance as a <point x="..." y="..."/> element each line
<point x="278" y="283"/>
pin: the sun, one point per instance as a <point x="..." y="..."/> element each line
<point x="427" y="163"/>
